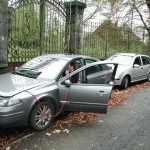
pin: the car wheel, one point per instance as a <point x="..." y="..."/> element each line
<point x="125" y="82"/>
<point x="41" y="116"/>
<point x="148" y="77"/>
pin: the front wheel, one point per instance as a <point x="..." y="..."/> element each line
<point x="41" y="116"/>
<point x="125" y="82"/>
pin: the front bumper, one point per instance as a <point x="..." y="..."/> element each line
<point x="13" y="116"/>
<point x="118" y="81"/>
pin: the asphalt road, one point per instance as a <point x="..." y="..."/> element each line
<point x="124" y="127"/>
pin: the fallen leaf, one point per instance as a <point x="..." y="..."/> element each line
<point x="56" y="131"/>
<point x="66" y="130"/>
<point x="48" y="134"/>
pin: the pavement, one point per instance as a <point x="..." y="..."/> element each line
<point x="124" y="127"/>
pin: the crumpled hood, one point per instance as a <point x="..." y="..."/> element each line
<point x="11" y="84"/>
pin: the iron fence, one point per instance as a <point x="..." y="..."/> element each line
<point x="105" y="40"/>
<point x="35" y="27"/>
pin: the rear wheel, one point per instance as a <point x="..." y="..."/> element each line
<point x="41" y="116"/>
<point x="125" y="82"/>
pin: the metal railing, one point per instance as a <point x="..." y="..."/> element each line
<point x="35" y="27"/>
<point x="38" y="27"/>
<point x="103" y="41"/>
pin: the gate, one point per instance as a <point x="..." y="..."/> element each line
<point x="36" y="27"/>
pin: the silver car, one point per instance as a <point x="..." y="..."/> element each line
<point x="38" y="91"/>
<point x="131" y="68"/>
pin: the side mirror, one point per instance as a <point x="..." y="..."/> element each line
<point x="111" y="82"/>
<point x="136" y="66"/>
<point x="67" y="83"/>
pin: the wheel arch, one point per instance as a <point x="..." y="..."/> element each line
<point x="45" y="98"/>
<point x="129" y="77"/>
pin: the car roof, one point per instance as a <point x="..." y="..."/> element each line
<point x="127" y="54"/>
<point x="66" y="56"/>
<point x="130" y="54"/>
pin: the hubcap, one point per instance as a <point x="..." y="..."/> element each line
<point x="43" y="116"/>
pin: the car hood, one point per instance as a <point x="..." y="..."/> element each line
<point x="11" y="84"/>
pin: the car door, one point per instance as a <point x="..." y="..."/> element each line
<point x="85" y="97"/>
<point x="145" y="66"/>
<point x="136" y="72"/>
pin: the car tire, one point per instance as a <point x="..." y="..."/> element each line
<point x="41" y="116"/>
<point x="148" y="77"/>
<point x="125" y="83"/>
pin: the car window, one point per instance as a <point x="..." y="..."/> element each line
<point x="145" y="60"/>
<point x="107" y="67"/>
<point x="76" y="65"/>
<point x="94" y="69"/>
<point x="89" y="61"/>
<point x="137" y="61"/>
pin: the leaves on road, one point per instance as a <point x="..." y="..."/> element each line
<point x="119" y="97"/>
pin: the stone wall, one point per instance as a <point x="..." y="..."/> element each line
<point x="3" y="36"/>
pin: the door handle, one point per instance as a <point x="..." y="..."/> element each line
<point x="101" y="93"/>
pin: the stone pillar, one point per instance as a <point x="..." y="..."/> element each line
<point x="74" y="26"/>
<point x="3" y="35"/>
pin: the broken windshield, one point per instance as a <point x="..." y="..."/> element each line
<point x="42" y="67"/>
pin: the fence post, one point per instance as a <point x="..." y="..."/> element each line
<point x="106" y="49"/>
<point x="3" y="36"/>
<point x="42" y="24"/>
<point x="74" y="26"/>
<point x="128" y="41"/>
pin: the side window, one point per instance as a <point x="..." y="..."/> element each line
<point x="145" y="60"/>
<point x="72" y="66"/>
<point x="89" y="61"/>
<point x="137" y="61"/>
<point x="94" y="69"/>
<point x="107" y="67"/>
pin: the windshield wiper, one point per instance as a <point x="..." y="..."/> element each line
<point x="28" y="72"/>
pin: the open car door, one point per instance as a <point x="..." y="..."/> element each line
<point x="83" y="96"/>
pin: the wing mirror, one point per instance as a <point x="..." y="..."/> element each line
<point x="136" y="66"/>
<point x="111" y="82"/>
<point x="67" y="83"/>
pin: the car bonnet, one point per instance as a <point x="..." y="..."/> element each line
<point x="11" y="84"/>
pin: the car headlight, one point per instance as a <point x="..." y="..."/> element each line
<point x="4" y="102"/>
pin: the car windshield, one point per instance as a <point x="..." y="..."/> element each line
<point x="42" y="67"/>
<point x="121" y="59"/>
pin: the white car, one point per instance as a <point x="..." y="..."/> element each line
<point x="131" y="68"/>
